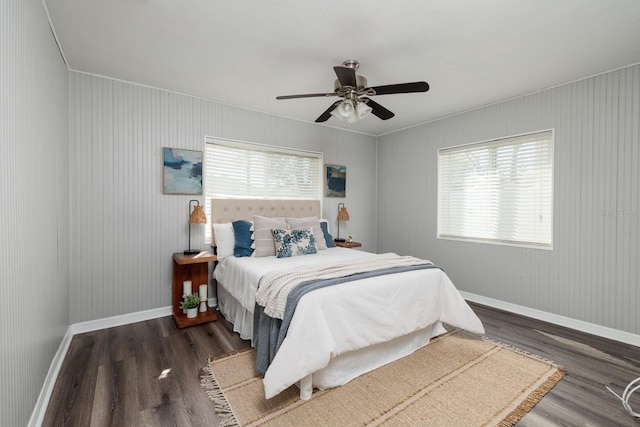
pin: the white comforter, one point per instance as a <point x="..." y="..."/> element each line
<point x="338" y="319"/>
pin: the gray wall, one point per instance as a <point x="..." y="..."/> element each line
<point x="592" y="274"/>
<point x="125" y="230"/>
<point x="34" y="197"/>
<point x="96" y="144"/>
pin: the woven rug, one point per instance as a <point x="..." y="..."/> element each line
<point x="456" y="380"/>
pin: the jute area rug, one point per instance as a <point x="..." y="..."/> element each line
<point x="456" y="380"/>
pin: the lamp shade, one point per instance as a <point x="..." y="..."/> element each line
<point x="344" y="111"/>
<point x="197" y="216"/>
<point x="362" y="110"/>
<point x="351" y="110"/>
<point x="343" y="215"/>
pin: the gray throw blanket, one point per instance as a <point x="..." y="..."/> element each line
<point x="269" y="332"/>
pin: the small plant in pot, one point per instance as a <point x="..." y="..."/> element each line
<point x="191" y="303"/>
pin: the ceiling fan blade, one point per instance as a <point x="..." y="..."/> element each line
<point x="377" y="109"/>
<point x="327" y="113"/>
<point x="346" y="76"/>
<point x="401" y="88"/>
<point x="306" y="95"/>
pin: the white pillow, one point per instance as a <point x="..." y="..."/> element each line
<point x="310" y="222"/>
<point x="225" y="239"/>
<point x="263" y="236"/>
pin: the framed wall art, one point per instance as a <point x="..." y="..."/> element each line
<point x="181" y="171"/>
<point x="335" y="181"/>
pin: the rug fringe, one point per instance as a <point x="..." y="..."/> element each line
<point x="227" y="355"/>
<point x="521" y="351"/>
<point x="532" y="400"/>
<point x="226" y="417"/>
<point x="507" y="346"/>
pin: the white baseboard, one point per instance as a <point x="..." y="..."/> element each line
<point x="37" y="416"/>
<point x="124" y="319"/>
<point x="579" y="325"/>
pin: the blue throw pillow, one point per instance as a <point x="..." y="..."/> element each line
<point x="242" y="230"/>
<point x="327" y="237"/>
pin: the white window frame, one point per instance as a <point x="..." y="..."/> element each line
<point x="308" y="168"/>
<point x="498" y="191"/>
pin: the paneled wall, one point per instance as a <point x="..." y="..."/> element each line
<point x="592" y="273"/>
<point x="34" y="197"/>
<point x="124" y="230"/>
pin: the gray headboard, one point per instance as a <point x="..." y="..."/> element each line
<point x="228" y="210"/>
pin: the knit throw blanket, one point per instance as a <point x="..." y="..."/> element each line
<point x="274" y="287"/>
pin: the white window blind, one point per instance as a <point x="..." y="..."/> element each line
<point x="498" y="191"/>
<point x="248" y="170"/>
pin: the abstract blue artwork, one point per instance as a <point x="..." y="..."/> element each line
<point x="181" y="171"/>
<point x="336" y="181"/>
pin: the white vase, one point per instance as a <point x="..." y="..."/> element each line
<point x="192" y="312"/>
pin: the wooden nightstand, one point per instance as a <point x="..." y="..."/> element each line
<point x="196" y="269"/>
<point x="348" y="244"/>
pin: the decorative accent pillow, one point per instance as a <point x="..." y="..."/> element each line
<point x="224" y="239"/>
<point x="243" y="241"/>
<point x="263" y="236"/>
<point x="310" y="222"/>
<point x="294" y="242"/>
<point x="328" y="238"/>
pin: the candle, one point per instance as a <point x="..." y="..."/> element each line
<point x="203" y="298"/>
<point x="186" y="287"/>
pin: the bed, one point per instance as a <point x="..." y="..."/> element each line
<point x="336" y="332"/>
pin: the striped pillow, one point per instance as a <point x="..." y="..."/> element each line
<point x="263" y="236"/>
<point x="310" y="222"/>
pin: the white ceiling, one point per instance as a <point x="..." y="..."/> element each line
<point x="246" y="52"/>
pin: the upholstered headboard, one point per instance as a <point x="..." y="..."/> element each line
<point x="228" y="210"/>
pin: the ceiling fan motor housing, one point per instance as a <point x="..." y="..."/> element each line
<point x="361" y="81"/>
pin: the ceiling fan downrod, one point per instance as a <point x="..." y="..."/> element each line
<point x="351" y="63"/>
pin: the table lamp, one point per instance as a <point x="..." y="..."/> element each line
<point x="343" y="215"/>
<point x="195" y="217"/>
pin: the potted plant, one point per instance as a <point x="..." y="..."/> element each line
<point x="191" y="303"/>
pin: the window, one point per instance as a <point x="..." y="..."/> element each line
<point x="247" y="170"/>
<point x="498" y="191"/>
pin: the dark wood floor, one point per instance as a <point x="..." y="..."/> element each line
<point x="146" y="374"/>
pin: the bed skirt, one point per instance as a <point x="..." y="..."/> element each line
<point x="235" y="313"/>
<point x="343" y="367"/>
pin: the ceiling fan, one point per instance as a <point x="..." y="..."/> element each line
<point x="353" y="88"/>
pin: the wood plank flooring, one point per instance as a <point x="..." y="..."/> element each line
<point x="146" y="374"/>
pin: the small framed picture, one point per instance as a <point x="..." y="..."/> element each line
<point x="181" y="171"/>
<point x="335" y="181"/>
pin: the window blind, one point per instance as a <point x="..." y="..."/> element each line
<point x="498" y="191"/>
<point x="248" y="170"/>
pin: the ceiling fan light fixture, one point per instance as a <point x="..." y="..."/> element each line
<point x="362" y="110"/>
<point x="344" y="111"/>
<point x="351" y="111"/>
<point x="346" y="108"/>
